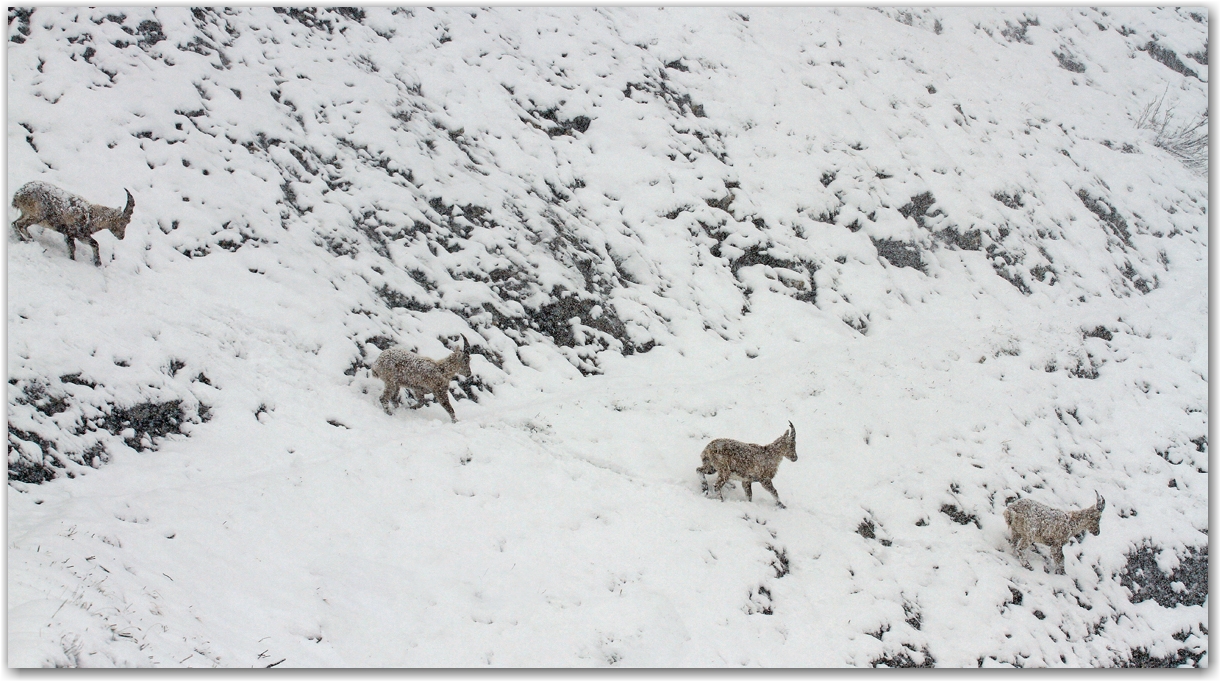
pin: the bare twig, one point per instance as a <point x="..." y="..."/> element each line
<point x="1186" y="142"/>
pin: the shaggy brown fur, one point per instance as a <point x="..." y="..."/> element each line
<point x="400" y="368"/>
<point x="1032" y="522"/>
<point x="69" y="215"/>
<point x="748" y="463"/>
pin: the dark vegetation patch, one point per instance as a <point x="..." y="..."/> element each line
<point x="1168" y="57"/>
<point x="1099" y="332"/>
<point x="151" y="421"/>
<point x="556" y="126"/>
<point x="1199" y="55"/>
<point x="900" y="253"/>
<point x="37" y="395"/>
<point x="760" y="602"/>
<point x="1139" y="657"/>
<point x="1140" y="283"/>
<point x="959" y="516"/>
<point x="868" y="530"/>
<point x="1013" y="201"/>
<point x="780" y="563"/>
<point x="22" y="467"/>
<point x="660" y="88"/>
<point x="22" y="17"/>
<point x="395" y="299"/>
<point x="903" y="659"/>
<point x="1017" y="32"/>
<point x="1108" y="215"/>
<point x="150" y="33"/>
<point x="761" y="254"/>
<point x="1146" y="580"/>
<point x="920" y="208"/>
<point x="321" y="18"/>
<point x="1068" y="61"/>
<point x="38" y="456"/>
<point x="1085" y="367"/>
<point x="1006" y="264"/>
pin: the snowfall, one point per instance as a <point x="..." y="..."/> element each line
<point x="957" y="248"/>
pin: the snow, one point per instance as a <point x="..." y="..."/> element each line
<point x="901" y="230"/>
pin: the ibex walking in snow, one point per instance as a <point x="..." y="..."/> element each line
<point x="400" y="368"/>
<point x="69" y="215"/>
<point x="1032" y="522"/>
<point x="748" y="463"/>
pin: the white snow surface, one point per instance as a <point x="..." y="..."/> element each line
<point x="286" y="168"/>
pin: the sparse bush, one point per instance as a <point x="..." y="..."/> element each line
<point x="1185" y="141"/>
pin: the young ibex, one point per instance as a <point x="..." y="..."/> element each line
<point x="748" y="463"/>
<point x="400" y="368"/>
<point x="1032" y="522"/>
<point x="69" y="215"/>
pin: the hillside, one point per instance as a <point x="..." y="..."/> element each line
<point x="963" y="251"/>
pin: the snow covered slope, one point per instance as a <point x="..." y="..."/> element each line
<point x="955" y="247"/>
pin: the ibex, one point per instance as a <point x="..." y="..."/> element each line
<point x="69" y="215"/>
<point x="1032" y="522"/>
<point x="748" y="463"/>
<point x="400" y="368"/>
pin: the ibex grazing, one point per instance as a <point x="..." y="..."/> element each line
<point x="1032" y="522"/>
<point x="400" y="368"/>
<point x="748" y="463"/>
<point x="69" y="215"/>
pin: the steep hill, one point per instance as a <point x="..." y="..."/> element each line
<point x="964" y="251"/>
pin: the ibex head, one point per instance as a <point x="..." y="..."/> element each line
<point x="463" y="364"/>
<point x="1094" y="524"/>
<point x="790" y="442"/>
<point x="119" y="227"/>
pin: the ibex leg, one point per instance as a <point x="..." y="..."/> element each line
<point x="389" y="396"/>
<point x="97" y="257"/>
<point x="443" y="398"/>
<point x="22" y="225"/>
<point x="770" y="487"/>
<point x="1022" y="544"/>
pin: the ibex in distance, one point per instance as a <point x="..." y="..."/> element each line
<point x="748" y="463"/>
<point x="1032" y="522"/>
<point x="400" y="368"/>
<point x="69" y="215"/>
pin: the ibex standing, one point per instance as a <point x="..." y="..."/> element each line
<point x="1032" y="522"/>
<point x="748" y="463"/>
<point x="69" y="215"/>
<point x="400" y="368"/>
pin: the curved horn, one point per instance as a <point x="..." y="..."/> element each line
<point x="131" y="204"/>
<point x="1101" y="501"/>
<point x="465" y="345"/>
